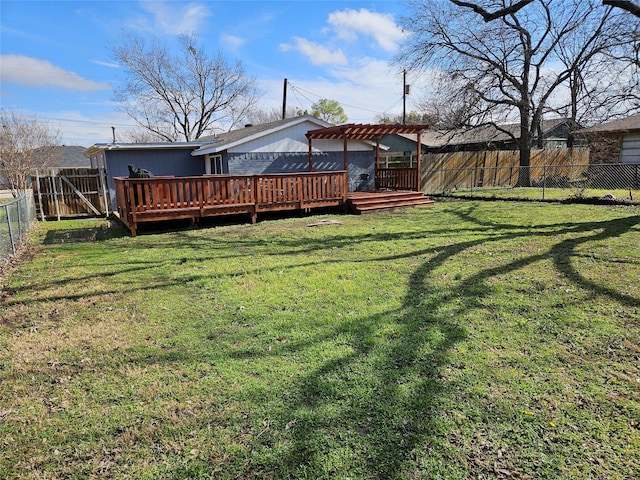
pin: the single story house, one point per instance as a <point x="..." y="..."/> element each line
<point x="276" y="147"/>
<point x="555" y="133"/>
<point x="617" y="141"/>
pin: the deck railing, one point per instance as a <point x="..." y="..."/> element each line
<point x="404" y="178"/>
<point x="167" y="198"/>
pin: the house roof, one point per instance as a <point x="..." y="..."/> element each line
<point x="224" y="141"/>
<point x="73" y="156"/>
<point x="98" y="147"/>
<point x="483" y="134"/>
<point x="216" y="143"/>
<point x="624" y="125"/>
<point x="68" y="156"/>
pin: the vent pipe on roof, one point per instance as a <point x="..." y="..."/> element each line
<point x="113" y="132"/>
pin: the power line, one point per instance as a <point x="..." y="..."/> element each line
<point x="295" y="88"/>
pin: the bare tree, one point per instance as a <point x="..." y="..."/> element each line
<point x="602" y="85"/>
<point x="182" y="96"/>
<point x="627" y="5"/>
<point x="26" y="144"/>
<point x="140" y="135"/>
<point x="509" y="67"/>
<point x="260" y="116"/>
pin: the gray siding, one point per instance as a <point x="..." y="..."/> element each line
<point x="361" y="165"/>
<point x="176" y="162"/>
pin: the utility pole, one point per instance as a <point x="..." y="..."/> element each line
<point x="284" y="100"/>
<point x="406" y="89"/>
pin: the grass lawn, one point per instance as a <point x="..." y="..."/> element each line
<point x="537" y="193"/>
<point x="462" y="340"/>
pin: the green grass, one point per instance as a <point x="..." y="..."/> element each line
<point x="463" y="340"/>
<point x="536" y="193"/>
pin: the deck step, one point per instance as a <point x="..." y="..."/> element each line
<point x="378" y="201"/>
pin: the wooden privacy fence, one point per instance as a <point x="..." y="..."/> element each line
<point x="70" y="192"/>
<point x="169" y="198"/>
<point x="449" y="171"/>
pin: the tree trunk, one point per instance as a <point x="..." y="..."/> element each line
<point x="524" y="177"/>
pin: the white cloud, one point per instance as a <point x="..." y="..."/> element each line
<point x="106" y="64"/>
<point x="34" y="72"/>
<point x="316" y="53"/>
<point x="349" y="23"/>
<point x="365" y="89"/>
<point x="172" y="18"/>
<point x="232" y="42"/>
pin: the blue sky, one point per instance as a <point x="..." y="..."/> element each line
<point x="56" y="61"/>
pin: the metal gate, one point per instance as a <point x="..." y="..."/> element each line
<point x="70" y="193"/>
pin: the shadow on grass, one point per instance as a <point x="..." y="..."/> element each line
<point x="375" y="409"/>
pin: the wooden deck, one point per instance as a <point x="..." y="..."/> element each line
<point x="170" y="198"/>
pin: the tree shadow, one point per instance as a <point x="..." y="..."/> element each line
<point x="380" y="400"/>
<point x="383" y="400"/>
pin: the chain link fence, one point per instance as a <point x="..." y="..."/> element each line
<point x="16" y="217"/>
<point x="607" y="182"/>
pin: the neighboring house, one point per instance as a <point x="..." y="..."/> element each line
<point x="71" y="157"/>
<point x="554" y="135"/>
<point x="276" y="147"/>
<point x="67" y="157"/>
<point x="613" y="142"/>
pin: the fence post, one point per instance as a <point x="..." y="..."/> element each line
<point x="544" y="180"/>
<point x="102" y="173"/>
<point x="40" y="195"/>
<point x="19" y="220"/>
<point x="55" y="192"/>
<point x="11" y="239"/>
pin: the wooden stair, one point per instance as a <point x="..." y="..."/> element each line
<point x="367" y="202"/>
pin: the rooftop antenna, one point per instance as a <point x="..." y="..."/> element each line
<point x="113" y="132"/>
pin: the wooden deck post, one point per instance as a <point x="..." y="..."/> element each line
<point x="310" y="156"/>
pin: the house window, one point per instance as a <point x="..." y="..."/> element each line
<point x="214" y="165"/>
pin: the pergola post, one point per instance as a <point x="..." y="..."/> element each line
<point x="310" y="156"/>
<point x="418" y="161"/>
<point x="345" y="158"/>
<point x="377" y="164"/>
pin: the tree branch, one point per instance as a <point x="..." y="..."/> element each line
<point x="627" y="5"/>
<point x="488" y="16"/>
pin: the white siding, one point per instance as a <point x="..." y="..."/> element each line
<point x="293" y="140"/>
<point x="630" y="152"/>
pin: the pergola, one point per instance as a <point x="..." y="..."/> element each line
<point x="372" y="132"/>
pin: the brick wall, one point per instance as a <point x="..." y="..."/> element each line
<point x="604" y="149"/>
